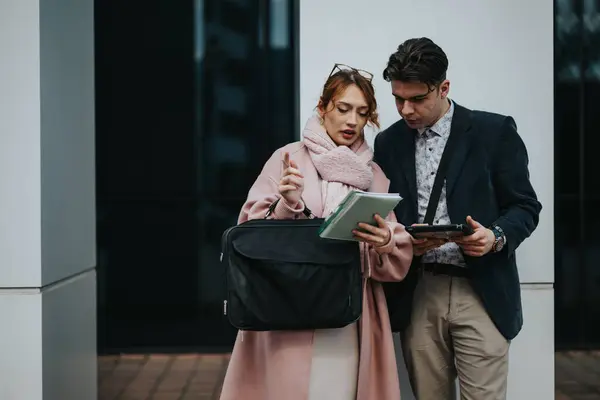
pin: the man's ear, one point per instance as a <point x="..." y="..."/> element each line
<point x="445" y="88"/>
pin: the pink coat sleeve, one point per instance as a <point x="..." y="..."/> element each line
<point x="265" y="191"/>
<point x="391" y="262"/>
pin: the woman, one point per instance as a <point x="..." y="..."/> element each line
<point x="357" y="361"/>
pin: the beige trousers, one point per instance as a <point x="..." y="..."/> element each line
<point x="450" y="336"/>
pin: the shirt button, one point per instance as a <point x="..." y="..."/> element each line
<point x="430" y="149"/>
<point x="433" y="173"/>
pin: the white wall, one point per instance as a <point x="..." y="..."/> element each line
<point x="47" y="210"/>
<point x="501" y="60"/>
<point x="69" y="358"/>
<point x="21" y="345"/>
<point x="20" y="192"/>
<point x="67" y="138"/>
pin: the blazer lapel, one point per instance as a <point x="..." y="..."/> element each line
<point x="406" y="154"/>
<point x="410" y="170"/>
<point x="459" y="131"/>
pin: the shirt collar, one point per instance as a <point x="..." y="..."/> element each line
<point x="442" y="126"/>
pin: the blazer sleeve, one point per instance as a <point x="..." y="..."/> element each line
<point x="390" y="263"/>
<point x="517" y="200"/>
<point x="265" y="191"/>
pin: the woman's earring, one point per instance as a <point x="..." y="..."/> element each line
<point x="321" y="120"/>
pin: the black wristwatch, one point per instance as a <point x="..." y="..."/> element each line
<point x="500" y="239"/>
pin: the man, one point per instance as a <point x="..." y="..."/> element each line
<point x="460" y="305"/>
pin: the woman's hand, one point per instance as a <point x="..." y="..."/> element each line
<point x="291" y="184"/>
<point x="377" y="236"/>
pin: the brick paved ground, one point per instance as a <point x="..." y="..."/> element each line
<point x="577" y="375"/>
<point x="199" y="377"/>
<point x="161" y="377"/>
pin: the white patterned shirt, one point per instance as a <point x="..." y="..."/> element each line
<point x="429" y="146"/>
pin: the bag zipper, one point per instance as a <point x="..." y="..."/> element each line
<point x="225" y="256"/>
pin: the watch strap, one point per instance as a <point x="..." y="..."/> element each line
<point x="499" y="236"/>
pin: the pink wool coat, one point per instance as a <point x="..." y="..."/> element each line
<point x="276" y="365"/>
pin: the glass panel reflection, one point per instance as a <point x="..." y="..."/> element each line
<point x="189" y="107"/>
<point x="570" y="318"/>
<point x="244" y="106"/>
<point x="577" y="200"/>
<point x="591" y="182"/>
<point x="567" y="40"/>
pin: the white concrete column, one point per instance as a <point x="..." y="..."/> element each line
<point x="47" y="201"/>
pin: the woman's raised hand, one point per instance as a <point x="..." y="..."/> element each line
<point x="291" y="184"/>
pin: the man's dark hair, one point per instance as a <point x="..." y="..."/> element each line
<point x="417" y="60"/>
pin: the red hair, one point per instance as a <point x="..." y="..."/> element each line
<point x="337" y="83"/>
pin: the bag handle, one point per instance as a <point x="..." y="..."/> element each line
<point x="271" y="208"/>
<point x="440" y="176"/>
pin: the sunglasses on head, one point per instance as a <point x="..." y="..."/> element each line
<point x="343" y="67"/>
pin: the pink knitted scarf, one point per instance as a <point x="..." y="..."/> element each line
<point x="341" y="168"/>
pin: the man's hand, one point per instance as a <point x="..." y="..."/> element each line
<point x="479" y="243"/>
<point x="422" y="246"/>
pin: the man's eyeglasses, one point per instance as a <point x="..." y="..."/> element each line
<point x="343" y="67"/>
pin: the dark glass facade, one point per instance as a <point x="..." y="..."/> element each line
<point x="577" y="178"/>
<point x="192" y="98"/>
